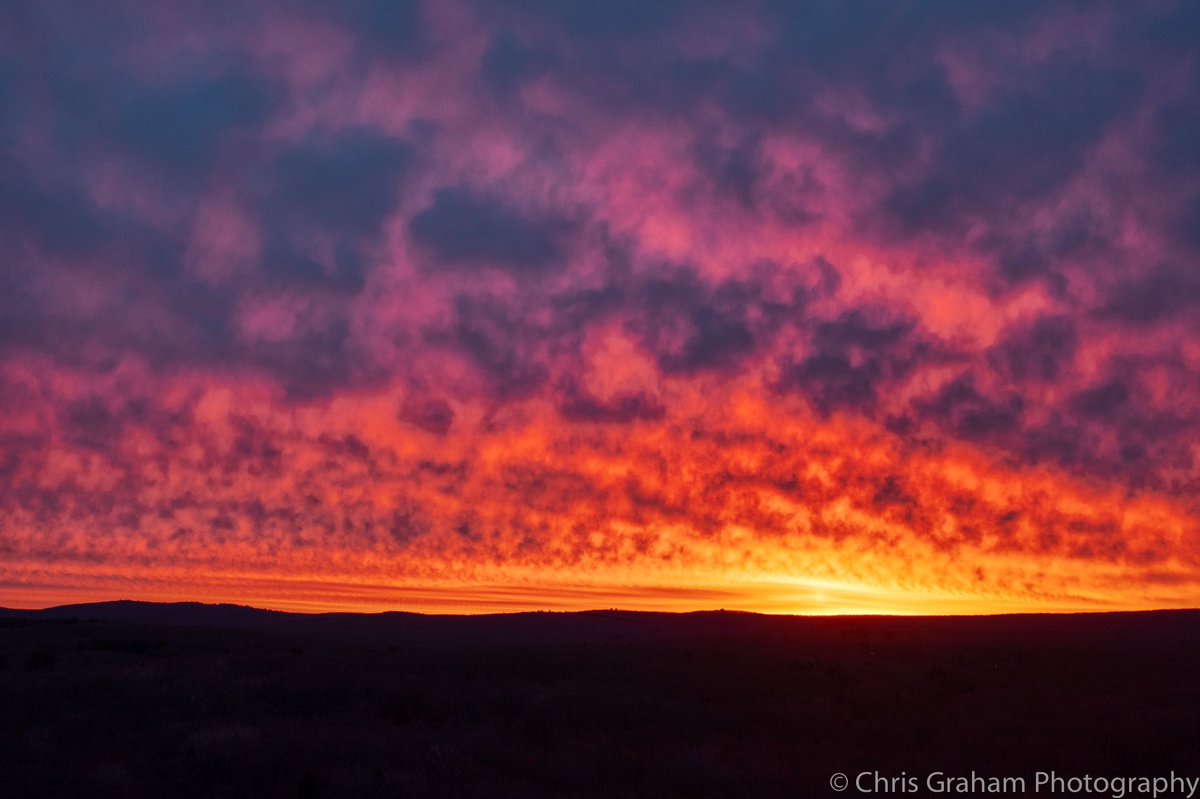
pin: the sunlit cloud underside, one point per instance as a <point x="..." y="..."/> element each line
<point x="459" y="307"/>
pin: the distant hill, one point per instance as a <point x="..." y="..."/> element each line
<point x="592" y="623"/>
<point x="189" y="613"/>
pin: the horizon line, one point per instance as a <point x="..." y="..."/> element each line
<point x="580" y="611"/>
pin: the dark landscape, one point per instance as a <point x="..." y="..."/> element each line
<point x="140" y="699"/>
<point x="538" y="307"/>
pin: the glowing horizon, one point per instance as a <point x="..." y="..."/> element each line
<point x="545" y="306"/>
<point x="325" y="595"/>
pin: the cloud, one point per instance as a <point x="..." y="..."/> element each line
<point x="181" y="127"/>
<point x="959" y="406"/>
<point x="464" y="228"/>
<point x="349" y="183"/>
<point x="509" y="63"/>
<point x="851" y="359"/>
<point x="1035" y="351"/>
<point x="1022" y="148"/>
<point x="578" y="405"/>
<point x="324" y="204"/>
<point x="691" y="325"/>
<point x="388" y="28"/>
<point x="432" y="414"/>
<point x="1152" y="297"/>
<point x="675" y="294"/>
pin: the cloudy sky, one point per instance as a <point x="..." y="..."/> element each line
<point x="460" y="306"/>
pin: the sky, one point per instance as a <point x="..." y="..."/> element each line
<point x="820" y="307"/>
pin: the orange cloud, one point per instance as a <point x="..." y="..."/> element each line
<point x="466" y="308"/>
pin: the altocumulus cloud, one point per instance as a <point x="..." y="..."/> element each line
<point x="674" y="294"/>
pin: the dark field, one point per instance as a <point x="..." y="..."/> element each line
<point x="183" y="700"/>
